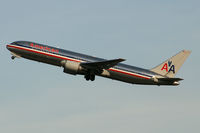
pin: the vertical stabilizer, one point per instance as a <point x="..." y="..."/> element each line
<point x="171" y="66"/>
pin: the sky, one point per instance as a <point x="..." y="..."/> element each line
<point x="36" y="97"/>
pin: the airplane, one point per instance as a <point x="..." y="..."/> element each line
<point x="89" y="66"/>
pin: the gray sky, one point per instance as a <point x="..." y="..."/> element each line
<point x="36" y="97"/>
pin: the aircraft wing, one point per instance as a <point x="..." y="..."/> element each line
<point x="101" y="64"/>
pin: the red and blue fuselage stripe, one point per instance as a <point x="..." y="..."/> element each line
<point x="56" y="54"/>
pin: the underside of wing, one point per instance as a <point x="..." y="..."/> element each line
<point x="101" y="64"/>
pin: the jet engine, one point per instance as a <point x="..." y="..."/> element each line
<point x="71" y="67"/>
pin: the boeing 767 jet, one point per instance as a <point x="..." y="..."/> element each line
<point x="89" y="66"/>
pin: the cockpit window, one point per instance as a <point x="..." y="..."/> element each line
<point x="19" y="43"/>
<point x="14" y="43"/>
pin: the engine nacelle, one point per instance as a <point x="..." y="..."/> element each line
<point x="71" y="67"/>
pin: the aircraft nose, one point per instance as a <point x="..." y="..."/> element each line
<point x="7" y="46"/>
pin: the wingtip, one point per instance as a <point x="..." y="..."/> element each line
<point x="121" y="59"/>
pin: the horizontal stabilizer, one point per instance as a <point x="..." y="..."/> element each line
<point x="170" y="79"/>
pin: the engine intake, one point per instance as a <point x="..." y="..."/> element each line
<point x="71" y="67"/>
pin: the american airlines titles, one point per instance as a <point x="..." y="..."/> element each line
<point x="44" y="48"/>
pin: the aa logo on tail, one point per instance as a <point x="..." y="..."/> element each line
<point x="168" y="67"/>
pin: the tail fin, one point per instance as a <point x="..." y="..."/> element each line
<point x="171" y="66"/>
